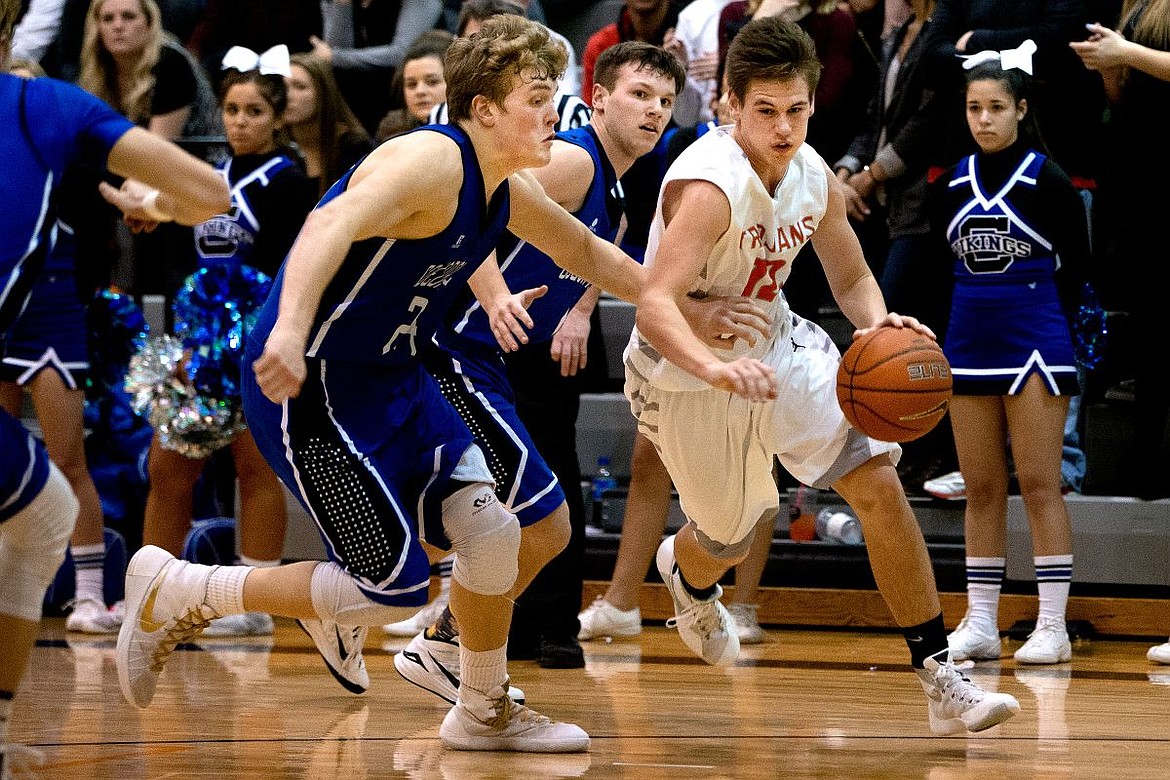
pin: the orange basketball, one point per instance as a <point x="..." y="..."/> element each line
<point x="894" y="384"/>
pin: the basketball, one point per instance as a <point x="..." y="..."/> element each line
<point x="894" y="384"/>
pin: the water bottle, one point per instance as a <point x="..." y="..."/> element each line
<point x="802" y="509"/>
<point x="602" y="481"/>
<point x="834" y="525"/>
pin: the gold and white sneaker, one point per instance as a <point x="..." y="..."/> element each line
<point x="165" y="606"/>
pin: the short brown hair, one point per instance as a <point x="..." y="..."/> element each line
<point x="644" y="56"/>
<point x="486" y="63"/>
<point x="771" y="49"/>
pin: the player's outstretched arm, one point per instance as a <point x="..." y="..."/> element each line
<point x="188" y="189"/>
<point x="540" y="221"/>
<point x="697" y="214"/>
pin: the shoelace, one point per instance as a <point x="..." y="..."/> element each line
<point x="508" y="711"/>
<point x="187" y="627"/>
<point x="358" y="641"/>
<point x="20" y="759"/>
<point x="955" y="686"/>
<point x="1047" y="624"/>
<point x="702" y="615"/>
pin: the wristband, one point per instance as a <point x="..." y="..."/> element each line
<point x="150" y="206"/>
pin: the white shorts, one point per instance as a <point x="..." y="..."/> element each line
<point x="718" y="447"/>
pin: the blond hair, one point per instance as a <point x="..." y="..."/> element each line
<point x="488" y="62"/>
<point x="1153" y="27"/>
<point x="99" y="73"/>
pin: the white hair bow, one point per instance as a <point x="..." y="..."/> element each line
<point x="1019" y="57"/>
<point x="274" y="61"/>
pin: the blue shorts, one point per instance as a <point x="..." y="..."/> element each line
<point x="475" y="382"/>
<point x="371" y="451"/>
<point x="50" y="334"/>
<point x="24" y="466"/>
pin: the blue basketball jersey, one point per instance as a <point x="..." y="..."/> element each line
<point x="390" y="295"/>
<point x="46" y="125"/>
<point x="231" y="237"/>
<point x="525" y="267"/>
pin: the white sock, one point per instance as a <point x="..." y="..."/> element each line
<point x="88" y="568"/>
<point x="984" y="581"/>
<point x="1053" y="577"/>
<point x="482" y="675"/>
<point x="90" y="585"/>
<point x="225" y="589"/>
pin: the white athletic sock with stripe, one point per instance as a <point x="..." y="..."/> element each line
<point x="1053" y="577"/>
<point x="984" y="582"/>
<point x="88" y="569"/>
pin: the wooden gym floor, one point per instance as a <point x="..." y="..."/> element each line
<point x="822" y="704"/>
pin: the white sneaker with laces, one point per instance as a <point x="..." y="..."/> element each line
<point x="706" y="627"/>
<point x="1048" y="644"/>
<point x="90" y="616"/>
<point x="19" y="760"/>
<point x="950" y="487"/>
<point x="433" y="665"/>
<point x="747" y="622"/>
<point x="341" y="649"/>
<point x="973" y="642"/>
<point x="1159" y="654"/>
<point x="421" y="620"/>
<point x="244" y="624"/>
<point x="514" y="727"/>
<point x="956" y="704"/>
<point x="604" y="619"/>
<point x="165" y="606"/>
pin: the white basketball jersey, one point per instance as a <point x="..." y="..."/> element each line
<point x="753" y="258"/>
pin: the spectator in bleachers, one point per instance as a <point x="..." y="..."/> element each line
<point x="696" y="40"/>
<point x="651" y="21"/>
<point x="365" y="42"/>
<point x="420" y="85"/>
<point x="449" y="20"/>
<point x="129" y="62"/>
<point x="884" y="175"/>
<point x="328" y="136"/>
<point x="1067" y="101"/>
<point x="572" y="111"/>
<point x="270" y="199"/>
<point x="1135" y="65"/>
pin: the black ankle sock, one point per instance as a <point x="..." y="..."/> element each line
<point x="702" y="594"/>
<point x="925" y="639"/>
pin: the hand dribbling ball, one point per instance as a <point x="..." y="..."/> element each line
<point x="894" y="384"/>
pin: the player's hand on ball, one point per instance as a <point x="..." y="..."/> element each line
<point x="895" y="320"/>
<point x="746" y="377"/>
<point x="719" y="320"/>
<point x="280" y="371"/>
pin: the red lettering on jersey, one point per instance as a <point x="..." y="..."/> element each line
<point x="762" y="283"/>
<point x="807" y="223"/>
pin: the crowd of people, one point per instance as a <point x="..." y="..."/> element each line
<point x="937" y="159"/>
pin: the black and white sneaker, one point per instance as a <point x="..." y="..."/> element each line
<point x="433" y="665"/>
<point x="341" y="649"/>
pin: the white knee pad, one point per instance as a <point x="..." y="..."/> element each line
<point x="338" y="598"/>
<point x="485" y="538"/>
<point x="32" y="547"/>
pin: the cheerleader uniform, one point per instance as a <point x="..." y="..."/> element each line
<point x="1012" y="220"/>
